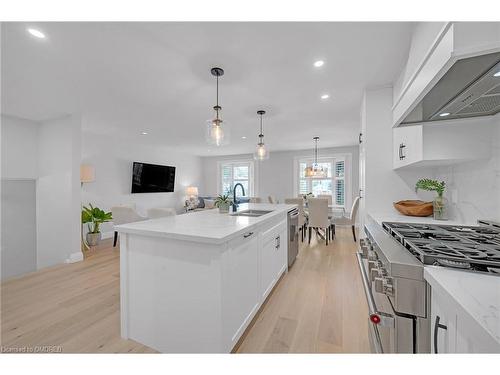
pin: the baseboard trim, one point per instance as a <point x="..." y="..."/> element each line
<point x="75" y="257"/>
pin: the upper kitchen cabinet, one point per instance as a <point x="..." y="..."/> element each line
<point x="442" y="143"/>
<point x="450" y="73"/>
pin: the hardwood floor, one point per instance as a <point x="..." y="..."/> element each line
<point x="318" y="306"/>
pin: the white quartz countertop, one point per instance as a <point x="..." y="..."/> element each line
<point x="207" y="226"/>
<point x="477" y="295"/>
<point x="398" y="218"/>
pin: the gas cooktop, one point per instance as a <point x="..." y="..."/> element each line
<point x="475" y="248"/>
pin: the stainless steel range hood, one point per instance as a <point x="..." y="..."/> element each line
<point x="470" y="88"/>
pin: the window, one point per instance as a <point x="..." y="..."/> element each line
<point x="333" y="184"/>
<point x="232" y="173"/>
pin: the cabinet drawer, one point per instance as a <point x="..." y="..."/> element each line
<point x="273" y="232"/>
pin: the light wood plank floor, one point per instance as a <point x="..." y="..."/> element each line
<point x="318" y="306"/>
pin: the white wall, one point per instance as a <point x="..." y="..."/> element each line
<point x="48" y="152"/>
<point x="112" y="160"/>
<point x="383" y="185"/>
<point x="19" y="148"/>
<point x="58" y="194"/>
<point x="276" y="175"/>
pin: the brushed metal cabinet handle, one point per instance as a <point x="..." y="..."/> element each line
<point x="437" y="325"/>
<point x="247" y="234"/>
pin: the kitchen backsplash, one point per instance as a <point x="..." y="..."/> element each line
<point x="472" y="188"/>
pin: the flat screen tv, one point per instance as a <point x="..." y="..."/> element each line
<point x="152" y="178"/>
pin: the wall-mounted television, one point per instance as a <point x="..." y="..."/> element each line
<point x="152" y="178"/>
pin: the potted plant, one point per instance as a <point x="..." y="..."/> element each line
<point x="223" y="202"/>
<point x="94" y="217"/>
<point x="439" y="203"/>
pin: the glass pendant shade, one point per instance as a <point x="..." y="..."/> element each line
<point x="315" y="170"/>
<point x="261" y="152"/>
<point x="217" y="133"/>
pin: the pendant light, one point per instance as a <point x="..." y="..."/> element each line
<point x="315" y="170"/>
<point x="261" y="152"/>
<point x="217" y="134"/>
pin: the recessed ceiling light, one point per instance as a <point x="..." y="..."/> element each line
<point x="444" y="114"/>
<point x="36" y="33"/>
<point x="144" y="133"/>
<point x="319" y="63"/>
<point x="325" y="96"/>
<point x="497" y="74"/>
<point x="243" y="137"/>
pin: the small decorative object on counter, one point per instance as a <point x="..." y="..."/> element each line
<point x="223" y="202"/>
<point x="440" y="203"/>
<point x="94" y="217"/>
<point x="414" y="208"/>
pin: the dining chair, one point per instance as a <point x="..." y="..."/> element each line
<point x="255" y="200"/>
<point x="123" y="215"/>
<point x="326" y="196"/>
<point x="302" y="217"/>
<point x="318" y="216"/>
<point x="348" y="220"/>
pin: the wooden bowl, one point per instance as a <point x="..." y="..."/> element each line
<point x="414" y="208"/>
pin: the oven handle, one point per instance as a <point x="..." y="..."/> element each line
<point x="366" y="286"/>
<point x="376" y="317"/>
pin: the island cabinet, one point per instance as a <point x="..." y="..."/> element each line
<point x="272" y="257"/>
<point x="240" y="283"/>
<point x="193" y="294"/>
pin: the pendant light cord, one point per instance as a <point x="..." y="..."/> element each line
<point x="217" y="100"/>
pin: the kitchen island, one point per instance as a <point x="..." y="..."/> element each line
<point x="192" y="283"/>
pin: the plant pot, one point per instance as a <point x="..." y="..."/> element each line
<point x="440" y="208"/>
<point x="93" y="238"/>
<point x="224" y="208"/>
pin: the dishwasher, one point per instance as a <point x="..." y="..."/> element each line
<point x="293" y="235"/>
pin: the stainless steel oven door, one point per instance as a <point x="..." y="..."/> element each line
<point x="388" y="332"/>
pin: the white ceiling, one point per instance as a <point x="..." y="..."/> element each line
<point x="125" y="78"/>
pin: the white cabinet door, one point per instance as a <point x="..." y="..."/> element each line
<point x="241" y="285"/>
<point x="282" y="253"/>
<point x="272" y="257"/>
<point x="471" y="338"/>
<point x="268" y="265"/>
<point x="407" y="145"/>
<point x="443" y="325"/>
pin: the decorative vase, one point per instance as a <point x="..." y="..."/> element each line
<point x="93" y="238"/>
<point x="224" y="208"/>
<point x="440" y="208"/>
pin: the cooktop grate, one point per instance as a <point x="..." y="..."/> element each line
<point x="470" y="247"/>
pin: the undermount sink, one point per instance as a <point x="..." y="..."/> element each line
<point x="251" y="213"/>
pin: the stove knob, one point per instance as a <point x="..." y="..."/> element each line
<point x="388" y="287"/>
<point x="374" y="274"/>
<point x="379" y="284"/>
<point x="372" y="264"/>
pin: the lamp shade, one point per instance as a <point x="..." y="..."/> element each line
<point x="192" y="190"/>
<point x="87" y="173"/>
